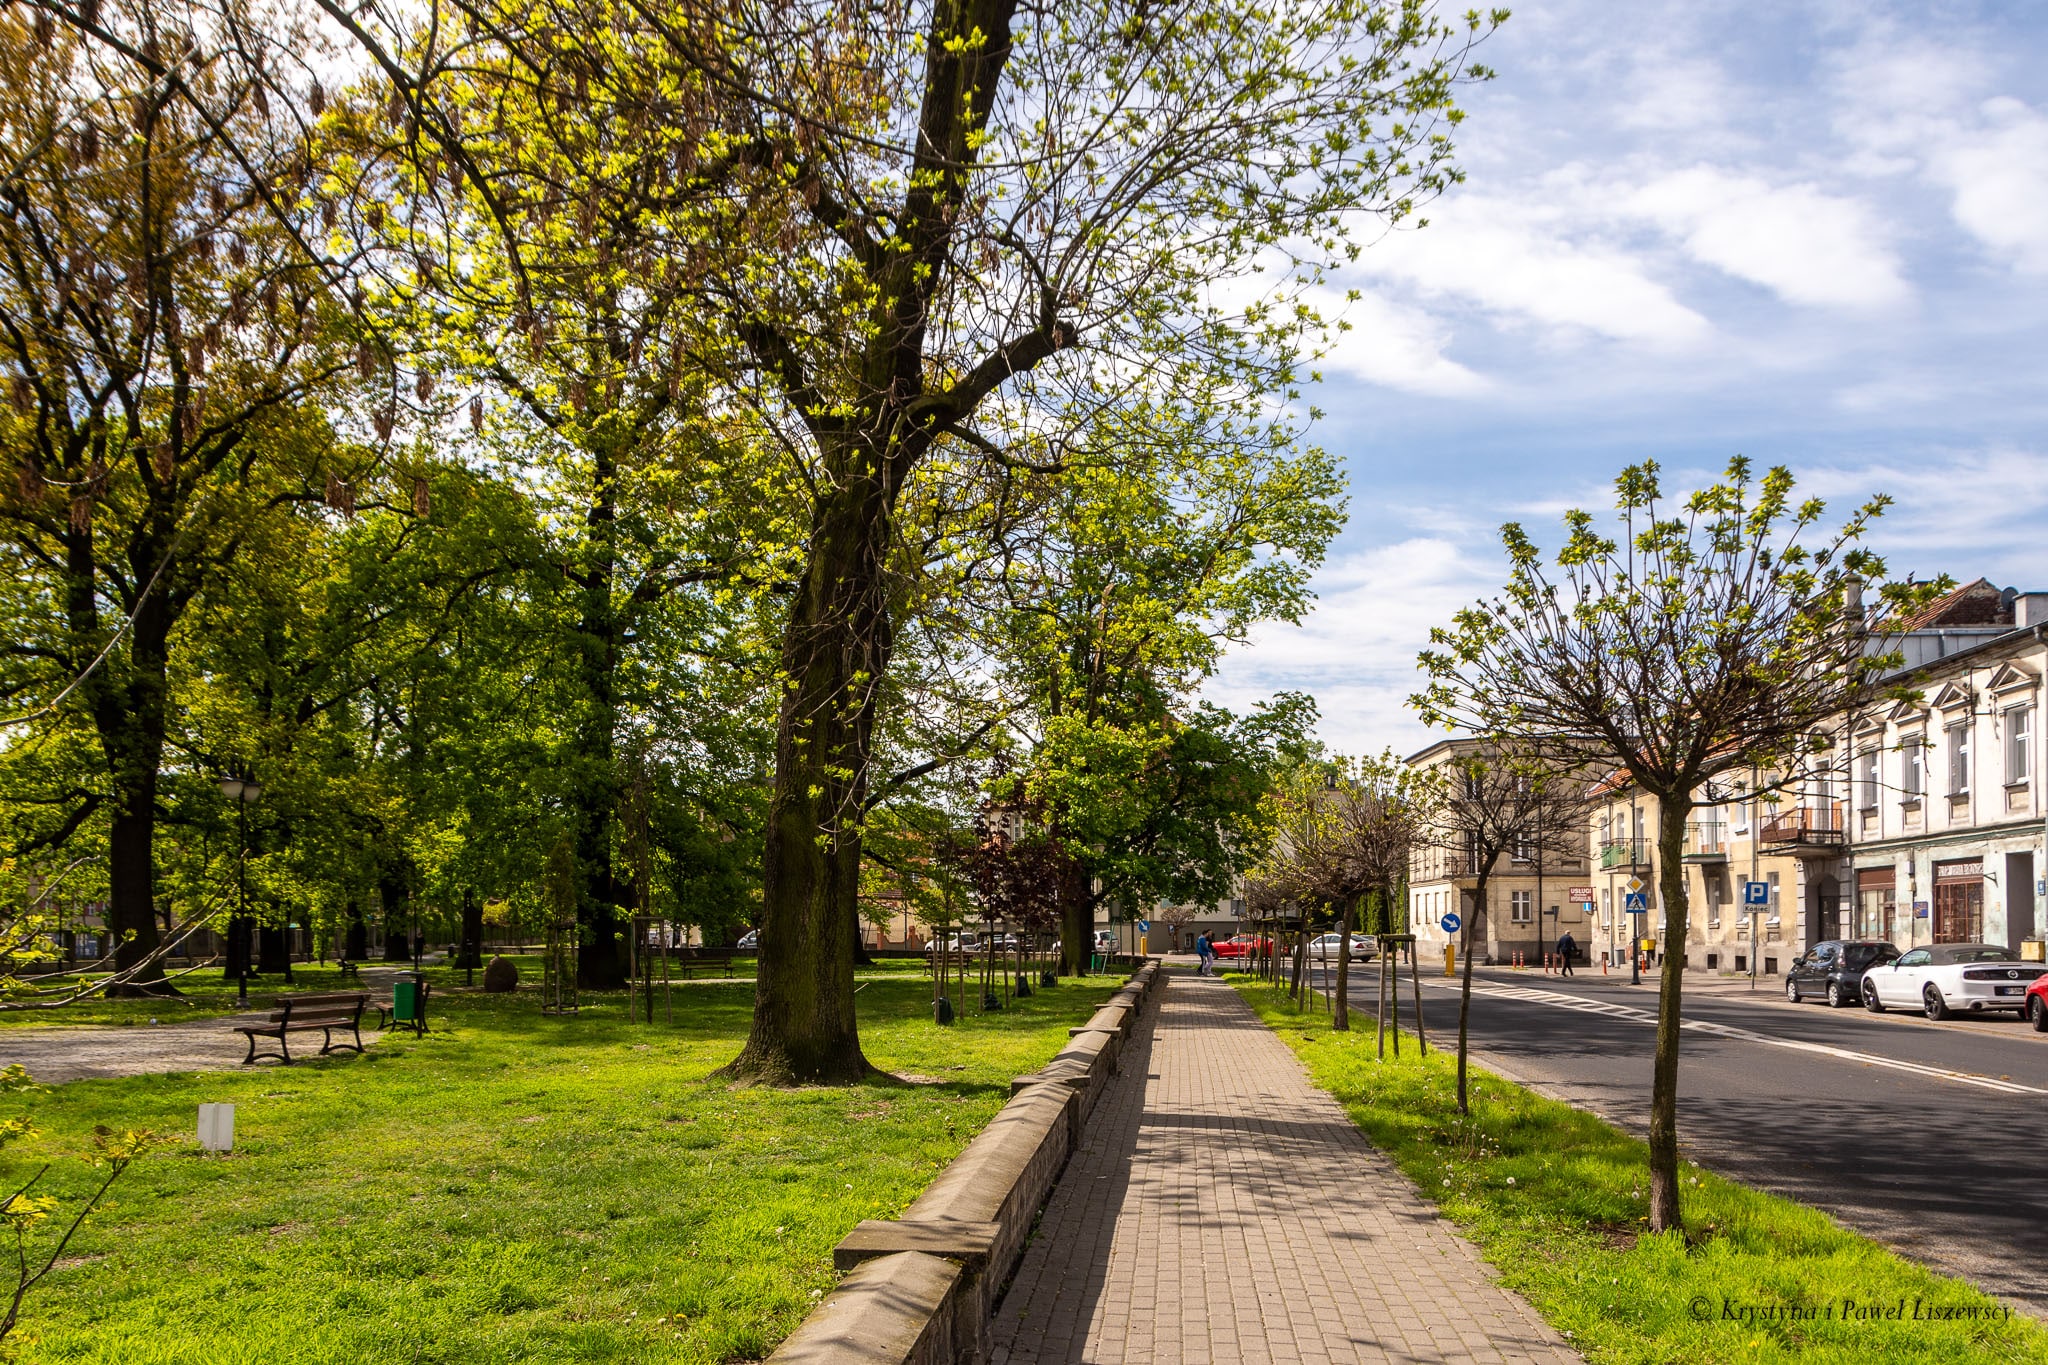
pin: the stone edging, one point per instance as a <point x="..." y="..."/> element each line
<point x="919" y="1290"/>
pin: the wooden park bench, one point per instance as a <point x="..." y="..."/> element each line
<point x="687" y="959"/>
<point x="328" y="1012"/>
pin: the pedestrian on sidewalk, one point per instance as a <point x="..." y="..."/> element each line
<point x="1566" y="946"/>
<point x="1205" y="952"/>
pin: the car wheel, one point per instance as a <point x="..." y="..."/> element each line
<point x="1792" y="992"/>
<point x="1870" y="1000"/>
<point x="1835" y="997"/>
<point x="1932" y="1003"/>
<point x="2037" y="1013"/>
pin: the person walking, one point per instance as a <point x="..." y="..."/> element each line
<point x="1566" y="946"/>
<point x="1205" y="953"/>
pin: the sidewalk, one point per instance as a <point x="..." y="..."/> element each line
<point x="1222" y="1210"/>
<point x="95" y="1051"/>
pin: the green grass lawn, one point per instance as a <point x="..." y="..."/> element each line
<point x="1559" y="1202"/>
<point x="203" y="994"/>
<point x="513" y="1187"/>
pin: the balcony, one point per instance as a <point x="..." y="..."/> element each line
<point x="1706" y="841"/>
<point x="1806" y="832"/>
<point x="1624" y="853"/>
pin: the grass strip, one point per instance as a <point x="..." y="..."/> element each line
<point x="512" y="1186"/>
<point x="1558" y="1202"/>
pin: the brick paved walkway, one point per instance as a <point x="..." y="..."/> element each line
<point x="86" y="1052"/>
<point x="1222" y="1209"/>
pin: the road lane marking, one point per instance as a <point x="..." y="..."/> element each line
<point x="1563" y="1000"/>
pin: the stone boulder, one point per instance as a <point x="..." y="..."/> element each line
<point x="501" y="976"/>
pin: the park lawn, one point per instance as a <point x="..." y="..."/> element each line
<point x="204" y="995"/>
<point x="513" y="1187"/>
<point x="1558" y="1201"/>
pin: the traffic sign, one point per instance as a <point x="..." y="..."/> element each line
<point x="1756" y="893"/>
<point x="1636" y="903"/>
<point x="1635" y="884"/>
<point x="1451" y="922"/>
<point x="1581" y="894"/>
<point x="1144" y="926"/>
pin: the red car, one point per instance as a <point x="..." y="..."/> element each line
<point x="2036" y="1011"/>
<point x="1244" y="945"/>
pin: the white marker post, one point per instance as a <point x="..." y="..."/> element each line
<point x="217" y="1127"/>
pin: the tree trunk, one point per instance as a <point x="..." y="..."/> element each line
<point x="472" y="930"/>
<point x="1465" y="986"/>
<point x="241" y="960"/>
<point x="835" y="650"/>
<point x="1077" y="920"/>
<point x="129" y="716"/>
<point x="1340" y="1007"/>
<point x="861" y="956"/>
<point x="397" y="947"/>
<point x="273" y="949"/>
<point x="1664" y="1209"/>
<point x="602" y="959"/>
<point x="355" y="946"/>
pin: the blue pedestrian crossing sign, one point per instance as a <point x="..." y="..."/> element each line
<point x="1451" y="922"/>
<point x="1756" y="893"/>
<point x="1636" y="903"/>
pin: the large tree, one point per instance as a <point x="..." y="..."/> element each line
<point x="1725" y="630"/>
<point x="162" y="335"/>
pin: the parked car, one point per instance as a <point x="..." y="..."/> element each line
<point x="1105" y="940"/>
<point x="1325" y="946"/>
<point x="749" y="940"/>
<point x="1364" y="947"/>
<point x="1243" y="945"/>
<point x="1952" y="978"/>
<point x="1834" y="968"/>
<point x="2037" y="1004"/>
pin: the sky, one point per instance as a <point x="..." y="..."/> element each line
<point x="1813" y="234"/>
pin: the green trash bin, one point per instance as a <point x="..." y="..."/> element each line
<point x="409" y="1005"/>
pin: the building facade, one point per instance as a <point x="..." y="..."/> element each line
<point x="1923" y="821"/>
<point x="1528" y="901"/>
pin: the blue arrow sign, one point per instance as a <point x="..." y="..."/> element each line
<point x="1144" y="926"/>
<point x="1636" y="903"/>
<point x="1450" y="922"/>
<point x="1756" y="893"/>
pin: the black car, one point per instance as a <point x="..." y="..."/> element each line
<point x="1834" y="968"/>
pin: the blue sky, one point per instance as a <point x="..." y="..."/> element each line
<point x="1814" y="234"/>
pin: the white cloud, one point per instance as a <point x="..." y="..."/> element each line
<point x="1998" y="173"/>
<point x="1909" y="104"/>
<point x="1356" y="652"/>
<point x="1509" y="258"/>
<point x="1396" y="346"/>
<point x="1806" y="246"/>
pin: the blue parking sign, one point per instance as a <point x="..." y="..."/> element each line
<point x="1756" y="893"/>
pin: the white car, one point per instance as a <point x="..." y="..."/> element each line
<point x="1951" y="978"/>
<point x="1325" y="946"/>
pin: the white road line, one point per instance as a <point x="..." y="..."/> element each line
<point x="1565" y="1000"/>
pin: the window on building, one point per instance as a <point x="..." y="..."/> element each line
<point x="1959" y="759"/>
<point x="1771" y="912"/>
<point x="1606" y="904"/>
<point x="1912" y="767"/>
<point x="1866" y="780"/>
<point x="1713" y="887"/>
<point x="1519" y="906"/>
<point x="2019" y="743"/>
<point x="1521" y="852"/>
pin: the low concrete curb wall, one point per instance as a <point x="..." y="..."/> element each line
<point x="919" y="1290"/>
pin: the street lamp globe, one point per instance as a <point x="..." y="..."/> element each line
<point x="231" y="788"/>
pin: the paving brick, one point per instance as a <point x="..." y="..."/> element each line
<point x="1222" y="1210"/>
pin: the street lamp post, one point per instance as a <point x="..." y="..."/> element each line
<point x="243" y="791"/>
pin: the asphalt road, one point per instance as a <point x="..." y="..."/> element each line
<point x="1932" y="1138"/>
